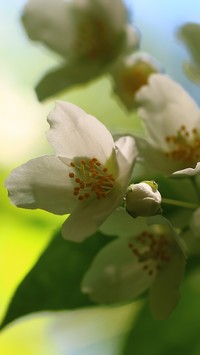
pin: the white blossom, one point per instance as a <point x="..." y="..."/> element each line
<point x="87" y="34"/>
<point x="87" y="177"/>
<point x="151" y="258"/>
<point x="172" y="125"/>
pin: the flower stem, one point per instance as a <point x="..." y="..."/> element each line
<point x="180" y="203"/>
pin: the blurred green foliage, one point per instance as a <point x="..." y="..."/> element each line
<point x="177" y="335"/>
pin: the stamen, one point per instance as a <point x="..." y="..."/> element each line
<point x="91" y="178"/>
<point x="151" y="250"/>
<point x="184" y="146"/>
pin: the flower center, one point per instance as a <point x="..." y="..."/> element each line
<point x="185" y="146"/>
<point x="91" y="40"/>
<point x="134" y="77"/>
<point x="151" y="250"/>
<point x="91" y="178"/>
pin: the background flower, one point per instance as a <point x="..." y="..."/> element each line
<point x="129" y="73"/>
<point x="125" y="268"/>
<point x="172" y="125"/>
<point x="88" y="34"/>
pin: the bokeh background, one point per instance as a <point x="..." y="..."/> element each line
<point x="24" y="234"/>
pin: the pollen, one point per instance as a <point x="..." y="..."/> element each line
<point x="91" y="178"/>
<point x="152" y="251"/>
<point x="184" y="146"/>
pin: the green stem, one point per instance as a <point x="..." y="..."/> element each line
<point x="180" y="203"/>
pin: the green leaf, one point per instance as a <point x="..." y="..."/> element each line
<point x="179" y="334"/>
<point x="64" y="77"/>
<point x="54" y="281"/>
<point x="189" y="33"/>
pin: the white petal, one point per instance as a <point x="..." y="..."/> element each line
<point x="126" y="155"/>
<point x="85" y="220"/>
<point x="168" y="229"/>
<point x="115" y="275"/>
<point x="48" y="21"/>
<point x="130" y="72"/>
<point x="126" y="145"/>
<point x="155" y="157"/>
<point x="164" y="292"/>
<point x="132" y="38"/>
<point x="165" y="107"/>
<point x="121" y="224"/>
<point x="42" y="183"/>
<point x="187" y="172"/>
<point x="74" y="133"/>
<point x="90" y="215"/>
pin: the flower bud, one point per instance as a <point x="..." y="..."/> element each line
<point x="143" y="199"/>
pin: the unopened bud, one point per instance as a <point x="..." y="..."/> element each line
<point x="143" y="199"/>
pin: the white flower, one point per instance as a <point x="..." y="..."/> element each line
<point x="189" y="33"/>
<point x="172" y="124"/>
<point x="130" y="72"/>
<point x="152" y="258"/>
<point x="87" y="177"/>
<point x="88" y="34"/>
<point x="85" y="28"/>
<point x="143" y="199"/>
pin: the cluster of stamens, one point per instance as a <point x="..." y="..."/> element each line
<point x="185" y="146"/>
<point x="91" y="177"/>
<point x="151" y="250"/>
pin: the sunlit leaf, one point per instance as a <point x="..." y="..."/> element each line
<point x="54" y="282"/>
